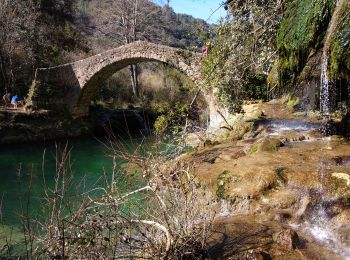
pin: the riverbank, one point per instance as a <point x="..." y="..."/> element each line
<point x="37" y="126"/>
<point x="277" y="168"/>
<point x="18" y="127"/>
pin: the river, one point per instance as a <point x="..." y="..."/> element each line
<point x="25" y="171"/>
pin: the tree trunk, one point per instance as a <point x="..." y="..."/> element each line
<point x="3" y="76"/>
<point x="134" y="81"/>
<point x="133" y="68"/>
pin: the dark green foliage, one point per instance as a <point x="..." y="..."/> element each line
<point x="340" y="46"/>
<point x="46" y="96"/>
<point x="255" y="86"/>
<point x="172" y="117"/>
<point x="222" y="181"/>
<point x="219" y="71"/>
<point x="302" y="30"/>
<point x="59" y="10"/>
<point x="303" y="33"/>
<point x="45" y="91"/>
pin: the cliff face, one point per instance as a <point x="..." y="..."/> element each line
<point x="310" y="32"/>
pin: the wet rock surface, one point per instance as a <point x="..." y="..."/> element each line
<point x="247" y="237"/>
<point x="288" y="173"/>
<point x="287" y="238"/>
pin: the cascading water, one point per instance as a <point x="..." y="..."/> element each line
<point x="318" y="223"/>
<point x="283" y="126"/>
<point x="325" y="88"/>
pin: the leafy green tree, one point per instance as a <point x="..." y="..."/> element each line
<point x="172" y="117"/>
<point x="243" y="50"/>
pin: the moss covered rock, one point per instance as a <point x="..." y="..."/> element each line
<point x="302" y="30"/>
<point x="339" y="67"/>
<point x="266" y="144"/>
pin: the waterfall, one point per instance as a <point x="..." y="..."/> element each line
<point x="325" y="101"/>
<point x="327" y="86"/>
<point x="317" y="223"/>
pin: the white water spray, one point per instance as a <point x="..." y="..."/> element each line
<point x="325" y="88"/>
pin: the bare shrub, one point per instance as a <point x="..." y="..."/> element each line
<point x="167" y="218"/>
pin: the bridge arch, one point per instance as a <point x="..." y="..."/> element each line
<point x="74" y="85"/>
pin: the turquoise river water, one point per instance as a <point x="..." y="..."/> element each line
<point x="25" y="171"/>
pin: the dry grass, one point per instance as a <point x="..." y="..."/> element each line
<point x="169" y="217"/>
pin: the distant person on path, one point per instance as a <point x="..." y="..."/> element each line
<point x="6" y="99"/>
<point x="14" y="101"/>
<point x="206" y="48"/>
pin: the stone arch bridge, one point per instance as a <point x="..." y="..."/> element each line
<point x="72" y="86"/>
